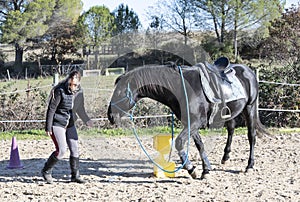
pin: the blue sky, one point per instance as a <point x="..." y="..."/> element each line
<point x="139" y="6"/>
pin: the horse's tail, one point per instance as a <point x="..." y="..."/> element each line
<point x="261" y="130"/>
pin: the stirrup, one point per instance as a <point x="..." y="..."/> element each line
<point x="225" y="112"/>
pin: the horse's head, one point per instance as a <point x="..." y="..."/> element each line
<point x="122" y="100"/>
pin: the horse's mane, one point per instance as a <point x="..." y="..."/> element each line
<point x="153" y="74"/>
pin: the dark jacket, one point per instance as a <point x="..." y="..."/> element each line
<point x="63" y="106"/>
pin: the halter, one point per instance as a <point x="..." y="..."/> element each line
<point x="129" y="97"/>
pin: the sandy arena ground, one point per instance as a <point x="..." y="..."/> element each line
<point x="116" y="169"/>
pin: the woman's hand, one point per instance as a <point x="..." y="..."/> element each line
<point x="49" y="133"/>
<point x="89" y="123"/>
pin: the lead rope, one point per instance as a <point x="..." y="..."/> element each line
<point x="129" y="95"/>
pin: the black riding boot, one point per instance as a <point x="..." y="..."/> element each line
<point x="48" y="167"/>
<point x="74" y="164"/>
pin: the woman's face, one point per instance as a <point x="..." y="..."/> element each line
<point x="74" y="84"/>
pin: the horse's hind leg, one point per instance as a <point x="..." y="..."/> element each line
<point x="179" y="144"/>
<point x="205" y="162"/>
<point x="251" y="122"/>
<point x="230" y="125"/>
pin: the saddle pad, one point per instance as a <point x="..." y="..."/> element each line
<point x="233" y="91"/>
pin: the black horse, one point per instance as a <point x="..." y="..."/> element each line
<point x="169" y="87"/>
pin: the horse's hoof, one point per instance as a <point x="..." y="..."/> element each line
<point x="204" y="175"/>
<point x="249" y="170"/>
<point x="193" y="173"/>
<point x="224" y="159"/>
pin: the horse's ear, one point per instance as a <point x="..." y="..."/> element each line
<point x="171" y="64"/>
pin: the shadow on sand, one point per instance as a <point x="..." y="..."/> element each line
<point x="107" y="170"/>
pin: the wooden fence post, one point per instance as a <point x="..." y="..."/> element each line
<point x="55" y="78"/>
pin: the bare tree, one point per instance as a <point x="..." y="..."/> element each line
<point x="176" y="15"/>
<point x="237" y="15"/>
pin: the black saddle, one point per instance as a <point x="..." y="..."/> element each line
<point x="222" y="63"/>
<point x="216" y="74"/>
<point x="220" y="68"/>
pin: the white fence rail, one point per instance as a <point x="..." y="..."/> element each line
<point x="275" y="83"/>
<point x="156" y="116"/>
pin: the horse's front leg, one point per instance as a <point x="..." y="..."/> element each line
<point x="179" y="145"/>
<point x="230" y="130"/>
<point x="205" y="162"/>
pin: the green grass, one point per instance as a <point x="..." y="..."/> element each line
<point x="284" y="130"/>
<point x="23" y="84"/>
<point x="24" y="135"/>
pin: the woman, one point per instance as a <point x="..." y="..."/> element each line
<point x="66" y="99"/>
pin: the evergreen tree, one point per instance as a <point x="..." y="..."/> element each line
<point x="95" y="25"/>
<point x="283" y="43"/>
<point x="23" y="20"/>
<point x="60" y="38"/>
<point x="126" y="20"/>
